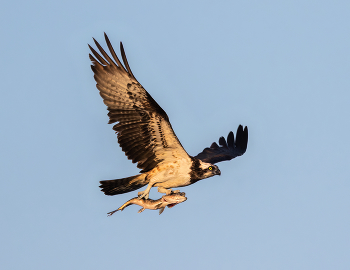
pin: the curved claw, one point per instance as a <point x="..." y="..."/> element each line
<point x="142" y="195"/>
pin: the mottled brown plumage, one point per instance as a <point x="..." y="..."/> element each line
<point x="142" y="123"/>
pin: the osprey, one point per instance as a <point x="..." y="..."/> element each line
<point x="145" y="134"/>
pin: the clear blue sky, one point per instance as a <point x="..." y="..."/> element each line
<point x="280" y="67"/>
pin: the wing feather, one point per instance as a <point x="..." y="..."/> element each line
<point x="142" y="126"/>
<point x="114" y="55"/>
<point x="228" y="149"/>
<point x="125" y="60"/>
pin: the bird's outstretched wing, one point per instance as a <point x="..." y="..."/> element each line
<point x="144" y="131"/>
<point x="227" y="150"/>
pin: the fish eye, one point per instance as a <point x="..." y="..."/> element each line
<point x="210" y="168"/>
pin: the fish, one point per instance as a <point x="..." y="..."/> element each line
<point x="169" y="200"/>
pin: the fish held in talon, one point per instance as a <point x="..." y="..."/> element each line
<point x="167" y="200"/>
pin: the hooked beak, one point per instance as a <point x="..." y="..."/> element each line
<point x="218" y="172"/>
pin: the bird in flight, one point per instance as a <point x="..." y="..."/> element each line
<point x="145" y="134"/>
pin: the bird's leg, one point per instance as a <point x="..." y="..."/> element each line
<point x="142" y="194"/>
<point x="167" y="191"/>
<point x="145" y="194"/>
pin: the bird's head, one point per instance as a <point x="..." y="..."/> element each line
<point x="209" y="170"/>
<point x="201" y="170"/>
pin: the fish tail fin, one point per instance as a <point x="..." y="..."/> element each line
<point x="121" y="208"/>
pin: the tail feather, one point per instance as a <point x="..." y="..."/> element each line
<point x="123" y="185"/>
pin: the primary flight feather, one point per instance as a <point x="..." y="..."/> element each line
<point x="145" y="134"/>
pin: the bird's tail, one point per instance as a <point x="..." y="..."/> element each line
<point x="123" y="185"/>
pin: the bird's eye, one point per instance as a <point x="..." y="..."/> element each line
<point x="210" y="168"/>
